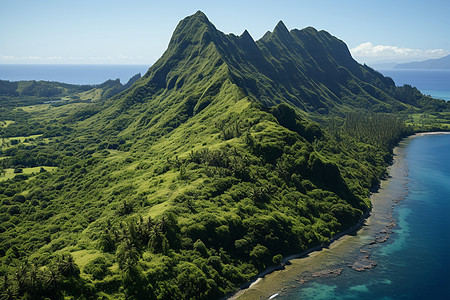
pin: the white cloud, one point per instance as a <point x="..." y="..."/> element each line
<point x="24" y="59"/>
<point x="367" y="52"/>
<point x="6" y="57"/>
<point x="55" y="58"/>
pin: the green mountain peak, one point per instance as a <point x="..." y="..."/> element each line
<point x="192" y="29"/>
<point x="281" y="29"/>
<point x="246" y="35"/>
<point x="308" y="69"/>
<point x="226" y="156"/>
<point x="199" y="14"/>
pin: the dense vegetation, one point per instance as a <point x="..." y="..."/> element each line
<point x="225" y="157"/>
<point x="25" y="93"/>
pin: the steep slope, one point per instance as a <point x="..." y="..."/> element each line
<point x="183" y="79"/>
<point x="312" y="71"/>
<point x="316" y="69"/>
<point x="205" y="171"/>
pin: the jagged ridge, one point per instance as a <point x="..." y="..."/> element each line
<point x="308" y="69"/>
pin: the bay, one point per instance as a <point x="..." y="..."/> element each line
<point x="74" y="74"/>
<point x="410" y="220"/>
<point x="435" y="83"/>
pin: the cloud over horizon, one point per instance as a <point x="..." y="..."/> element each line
<point x="367" y="52"/>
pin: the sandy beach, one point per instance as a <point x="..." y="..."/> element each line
<point x="431" y="133"/>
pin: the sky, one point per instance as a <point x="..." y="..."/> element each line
<point x="138" y="31"/>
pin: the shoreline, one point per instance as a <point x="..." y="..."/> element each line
<point x="287" y="260"/>
<point x="418" y="134"/>
<point x="253" y="285"/>
<point x="303" y="255"/>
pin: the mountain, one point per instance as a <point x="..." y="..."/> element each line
<point x="226" y="156"/>
<point x="442" y="63"/>
<point x="311" y="70"/>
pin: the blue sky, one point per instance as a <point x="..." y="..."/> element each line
<point x="138" y="31"/>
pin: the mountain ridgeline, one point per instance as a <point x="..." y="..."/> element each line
<point x="226" y="156"/>
<point x="311" y="70"/>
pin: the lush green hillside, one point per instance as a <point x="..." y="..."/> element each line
<point x="22" y="93"/>
<point x="226" y="156"/>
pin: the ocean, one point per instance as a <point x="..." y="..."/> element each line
<point x="74" y="74"/>
<point x="435" y="83"/>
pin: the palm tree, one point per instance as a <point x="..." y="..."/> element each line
<point x="51" y="280"/>
<point x="106" y="243"/>
<point x="67" y="266"/>
<point x="33" y="282"/>
<point x="163" y="224"/>
<point x="4" y="285"/>
<point x="8" y="294"/>
<point x="7" y="290"/>
<point x="127" y="254"/>
<point x="20" y="277"/>
<point x="156" y="238"/>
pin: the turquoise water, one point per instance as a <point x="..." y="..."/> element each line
<point x="75" y="74"/>
<point x="435" y="83"/>
<point x="414" y="263"/>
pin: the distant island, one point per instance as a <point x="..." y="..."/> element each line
<point x="440" y="63"/>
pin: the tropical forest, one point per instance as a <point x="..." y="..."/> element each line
<point x="226" y="157"/>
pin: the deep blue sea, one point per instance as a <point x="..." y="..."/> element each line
<point x="75" y="74"/>
<point x="435" y="83"/>
<point x="414" y="263"/>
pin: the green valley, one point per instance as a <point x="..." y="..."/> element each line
<point x="228" y="155"/>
